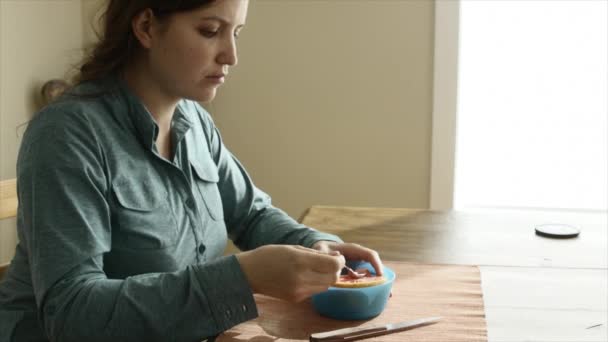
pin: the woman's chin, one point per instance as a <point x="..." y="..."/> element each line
<point x="204" y="96"/>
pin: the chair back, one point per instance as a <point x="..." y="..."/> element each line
<point x="3" y="269"/>
<point x="8" y="198"/>
<point x="8" y="207"/>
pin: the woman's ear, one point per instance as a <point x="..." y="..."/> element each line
<point x="142" y="26"/>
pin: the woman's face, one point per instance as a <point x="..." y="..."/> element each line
<point x="191" y="52"/>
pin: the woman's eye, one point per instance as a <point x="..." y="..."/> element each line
<point x="208" y="33"/>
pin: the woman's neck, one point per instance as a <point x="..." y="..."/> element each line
<point x="158" y="102"/>
<point x="151" y="94"/>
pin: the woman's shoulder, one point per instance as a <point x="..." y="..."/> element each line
<point x="72" y="111"/>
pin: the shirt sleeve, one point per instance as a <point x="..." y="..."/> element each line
<point x="251" y="219"/>
<point x="65" y="221"/>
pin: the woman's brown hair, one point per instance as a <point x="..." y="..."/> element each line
<point x="117" y="44"/>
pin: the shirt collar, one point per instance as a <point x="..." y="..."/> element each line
<point x="180" y="124"/>
<point x="140" y="119"/>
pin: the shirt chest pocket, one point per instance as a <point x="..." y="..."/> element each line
<point x="205" y="178"/>
<point x="142" y="215"/>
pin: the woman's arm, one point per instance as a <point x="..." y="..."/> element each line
<point x="65" y="220"/>
<point x="251" y="219"/>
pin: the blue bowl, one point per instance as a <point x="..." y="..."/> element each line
<point x="355" y="303"/>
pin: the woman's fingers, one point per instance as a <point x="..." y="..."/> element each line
<point x="314" y="282"/>
<point x="322" y="262"/>
<point x="354" y="251"/>
<point x="296" y="272"/>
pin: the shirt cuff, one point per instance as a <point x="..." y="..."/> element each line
<point x="227" y="290"/>
<point x="317" y="236"/>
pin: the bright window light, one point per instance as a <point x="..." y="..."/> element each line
<point x="532" y="105"/>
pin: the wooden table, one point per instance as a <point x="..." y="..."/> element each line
<point x="535" y="288"/>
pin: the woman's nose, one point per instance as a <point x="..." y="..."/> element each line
<point x="228" y="55"/>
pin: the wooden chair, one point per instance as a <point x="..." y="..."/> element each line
<point x="3" y="269"/>
<point x="8" y="207"/>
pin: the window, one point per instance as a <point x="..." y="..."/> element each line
<point x="531" y="123"/>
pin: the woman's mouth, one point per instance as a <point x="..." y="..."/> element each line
<point x="219" y="78"/>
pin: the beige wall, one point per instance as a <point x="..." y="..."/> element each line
<point x="39" y="40"/>
<point x="91" y="12"/>
<point x="331" y="102"/>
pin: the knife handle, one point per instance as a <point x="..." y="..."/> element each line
<point x="344" y="334"/>
<point x="357" y="333"/>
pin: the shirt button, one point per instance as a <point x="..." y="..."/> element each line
<point x="189" y="202"/>
<point x="201" y="248"/>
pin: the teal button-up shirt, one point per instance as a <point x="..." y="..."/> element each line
<point x="118" y="243"/>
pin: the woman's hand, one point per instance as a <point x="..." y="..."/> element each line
<point x="351" y="251"/>
<point x="292" y="273"/>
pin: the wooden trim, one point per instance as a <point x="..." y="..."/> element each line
<point x="8" y="198"/>
<point x="445" y="90"/>
<point x="303" y="215"/>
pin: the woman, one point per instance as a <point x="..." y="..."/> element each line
<point x="127" y="196"/>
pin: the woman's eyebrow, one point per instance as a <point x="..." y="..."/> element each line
<point x="220" y="19"/>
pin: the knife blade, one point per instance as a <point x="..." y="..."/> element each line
<point x="353" y="334"/>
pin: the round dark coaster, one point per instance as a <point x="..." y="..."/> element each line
<point x="557" y="231"/>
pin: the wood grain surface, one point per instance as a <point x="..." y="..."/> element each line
<point x="419" y="291"/>
<point x="535" y="289"/>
